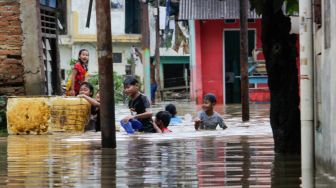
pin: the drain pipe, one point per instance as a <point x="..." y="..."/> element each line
<point x="306" y="91"/>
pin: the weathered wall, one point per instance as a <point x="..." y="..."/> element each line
<point x="11" y="66"/>
<point x="32" y="47"/>
<point x="325" y="89"/>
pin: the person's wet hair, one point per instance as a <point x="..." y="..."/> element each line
<point x="130" y="80"/>
<point x="171" y="109"/>
<point x="164" y="116"/>
<point x="210" y="97"/>
<point x="88" y="85"/>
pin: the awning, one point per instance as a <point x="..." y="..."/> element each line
<point x="211" y="9"/>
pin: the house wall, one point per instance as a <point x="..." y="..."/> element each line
<point x="20" y="39"/>
<point x="79" y="36"/>
<point x="209" y="55"/>
<point x="324" y="88"/>
<point x="11" y="66"/>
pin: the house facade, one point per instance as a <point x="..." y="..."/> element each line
<point x="215" y="48"/>
<point x="29" y="56"/>
<point x="80" y="32"/>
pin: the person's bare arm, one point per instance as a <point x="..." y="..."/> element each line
<point x="146" y="114"/>
<point x="73" y="77"/>
<point x="92" y="101"/>
<point x="157" y="129"/>
<point x="198" y="122"/>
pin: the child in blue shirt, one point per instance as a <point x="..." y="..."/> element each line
<point x="174" y="120"/>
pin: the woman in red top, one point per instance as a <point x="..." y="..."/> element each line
<point x="79" y="71"/>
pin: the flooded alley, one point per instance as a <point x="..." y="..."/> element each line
<point x="240" y="156"/>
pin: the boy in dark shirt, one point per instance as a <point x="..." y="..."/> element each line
<point x="141" y="116"/>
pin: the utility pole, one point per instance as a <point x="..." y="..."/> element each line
<point x="307" y="92"/>
<point x="145" y="41"/>
<point x="157" y="49"/>
<point x="105" y="62"/>
<point x="244" y="82"/>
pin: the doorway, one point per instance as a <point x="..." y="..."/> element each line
<point x="232" y="63"/>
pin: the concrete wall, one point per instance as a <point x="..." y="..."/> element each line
<point x="325" y="88"/>
<point x="32" y="48"/>
<point x="117" y="15"/>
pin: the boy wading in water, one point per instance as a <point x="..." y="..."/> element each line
<point x="141" y="118"/>
<point x="207" y="118"/>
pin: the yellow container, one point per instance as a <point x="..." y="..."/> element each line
<point x="42" y="115"/>
<point x="28" y="115"/>
<point x="69" y="114"/>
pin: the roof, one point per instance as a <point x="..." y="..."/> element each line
<point x="211" y="9"/>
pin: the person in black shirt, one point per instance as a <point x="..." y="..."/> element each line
<point x="141" y="116"/>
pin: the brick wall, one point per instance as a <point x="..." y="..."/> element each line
<point x="11" y="67"/>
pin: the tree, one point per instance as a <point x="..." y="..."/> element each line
<point x="279" y="47"/>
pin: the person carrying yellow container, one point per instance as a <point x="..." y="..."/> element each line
<point x="79" y="72"/>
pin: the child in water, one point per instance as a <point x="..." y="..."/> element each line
<point x="141" y="116"/>
<point x="162" y="120"/>
<point x="86" y="91"/>
<point x="174" y="120"/>
<point x="207" y="118"/>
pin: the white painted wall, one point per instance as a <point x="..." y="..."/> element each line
<point x="117" y="17"/>
<point x="69" y="49"/>
<point x="125" y="49"/>
<point x="325" y="78"/>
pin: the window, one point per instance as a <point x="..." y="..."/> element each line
<point x="132" y="9"/>
<point x="48" y="3"/>
<point x="62" y="16"/>
<point x="117" y="58"/>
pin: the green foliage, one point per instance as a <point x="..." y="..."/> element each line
<point x="118" y="85"/>
<point x="259" y="5"/>
<point x="72" y="62"/>
<point x="292" y="6"/>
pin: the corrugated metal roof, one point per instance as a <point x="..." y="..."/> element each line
<point x="211" y="9"/>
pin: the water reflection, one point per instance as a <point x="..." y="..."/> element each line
<point x="3" y="161"/>
<point x="209" y="161"/>
<point x="184" y="158"/>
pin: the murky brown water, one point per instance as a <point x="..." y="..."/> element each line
<point x="241" y="156"/>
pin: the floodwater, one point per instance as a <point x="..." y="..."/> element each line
<point x="240" y="156"/>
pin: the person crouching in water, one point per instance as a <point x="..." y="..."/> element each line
<point x="141" y="116"/>
<point x="207" y="118"/>
<point x="86" y="91"/>
<point x="162" y="120"/>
